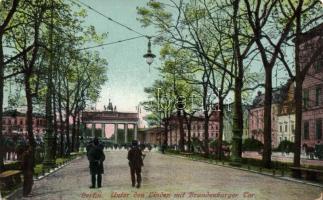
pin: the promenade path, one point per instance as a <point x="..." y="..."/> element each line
<point x="167" y="177"/>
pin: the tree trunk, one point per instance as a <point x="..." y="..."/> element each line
<point x="206" y="134"/>
<point x="61" y="121"/>
<point x="237" y="119"/>
<point x="188" y="124"/>
<point x="181" y="131"/>
<point x="73" y="133"/>
<point x="1" y="103"/>
<point x="55" y="125"/>
<point x="78" y="131"/>
<point x="298" y="96"/>
<point x="266" y="157"/>
<point x="29" y="121"/>
<point x="298" y="121"/>
<point x="166" y="133"/>
<point x="206" y="120"/>
<point x="221" y="115"/>
<point x="67" y="127"/>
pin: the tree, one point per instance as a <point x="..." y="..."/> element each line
<point x="175" y="62"/>
<point x="160" y="104"/>
<point x="307" y="15"/>
<point x="193" y="26"/>
<point x="269" y="45"/>
<point x="30" y="38"/>
<point x="7" y="12"/>
<point x="29" y="64"/>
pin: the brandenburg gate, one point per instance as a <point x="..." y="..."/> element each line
<point x="111" y="116"/>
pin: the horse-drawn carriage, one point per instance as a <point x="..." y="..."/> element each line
<point x="318" y="152"/>
<point x="314" y="152"/>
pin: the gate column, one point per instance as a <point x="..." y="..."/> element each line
<point x="125" y="133"/>
<point x="93" y="130"/>
<point x="116" y="133"/>
<point x="103" y="130"/>
<point x="135" y="126"/>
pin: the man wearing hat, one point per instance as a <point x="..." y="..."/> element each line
<point x="96" y="157"/>
<point x="135" y="158"/>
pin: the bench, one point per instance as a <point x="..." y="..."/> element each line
<point x="10" y="178"/>
<point x="310" y="174"/>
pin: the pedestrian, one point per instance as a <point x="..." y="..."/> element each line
<point x="135" y="158"/>
<point x="96" y="158"/>
<point x="28" y="170"/>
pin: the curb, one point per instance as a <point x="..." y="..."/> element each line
<point x="17" y="193"/>
<point x="284" y="178"/>
<point x="52" y="171"/>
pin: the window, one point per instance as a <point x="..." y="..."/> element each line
<point x="305" y="98"/>
<point x="318" y="127"/>
<point x="306" y="130"/>
<point x="286" y="127"/>
<point x="280" y="128"/>
<point x="318" y="92"/>
<point x="293" y="128"/>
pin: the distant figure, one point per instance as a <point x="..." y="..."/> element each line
<point x="163" y="147"/>
<point x="135" y="158"/>
<point x="96" y="157"/>
<point x="28" y="170"/>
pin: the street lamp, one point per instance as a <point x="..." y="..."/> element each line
<point x="149" y="55"/>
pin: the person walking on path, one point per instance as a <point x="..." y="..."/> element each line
<point x="135" y="158"/>
<point x="96" y="157"/>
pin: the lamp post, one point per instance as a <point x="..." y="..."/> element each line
<point x="149" y="56"/>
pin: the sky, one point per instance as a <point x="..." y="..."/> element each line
<point x="128" y="73"/>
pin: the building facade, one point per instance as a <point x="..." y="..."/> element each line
<point x="152" y="135"/>
<point x="286" y="128"/>
<point x="286" y="117"/>
<point x="256" y="113"/>
<point x="312" y="117"/>
<point x="197" y="128"/>
<point x="14" y="122"/>
<point x="228" y="123"/>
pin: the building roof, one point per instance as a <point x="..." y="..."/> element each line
<point x="278" y="96"/>
<point x="198" y="116"/>
<point x="316" y="31"/>
<point x="152" y="129"/>
<point x="15" y="113"/>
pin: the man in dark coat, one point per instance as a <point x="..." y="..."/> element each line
<point x="135" y="158"/>
<point x="28" y="170"/>
<point x="96" y="158"/>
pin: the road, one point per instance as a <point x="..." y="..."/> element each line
<point x="167" y="177"/>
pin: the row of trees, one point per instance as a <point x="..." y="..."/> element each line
<point x="212" y="48"/>
<point x="40" y="42"/>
